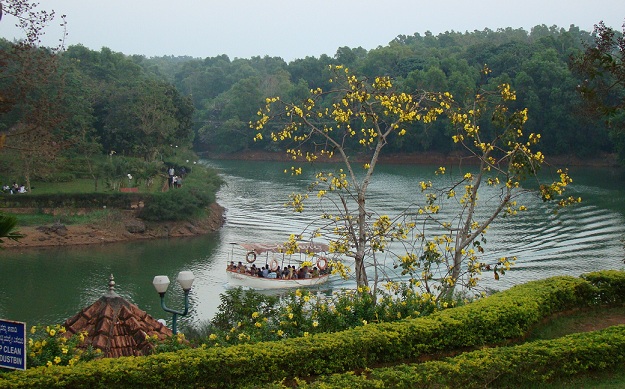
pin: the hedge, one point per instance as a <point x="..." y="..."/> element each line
<point x="74" y="200"/>
<point x="529" y="364"/>
<point x="495" y="320"/>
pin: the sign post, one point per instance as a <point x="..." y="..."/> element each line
<point x="12" y="344"/>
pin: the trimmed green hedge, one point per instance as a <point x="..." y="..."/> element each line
<point x="610" y="286"/>
<point x="530" y="363"/>
<point x="74" y="200"/>
<point x="495" y="320"/>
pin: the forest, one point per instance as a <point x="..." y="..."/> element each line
<point x="78" y="104"/>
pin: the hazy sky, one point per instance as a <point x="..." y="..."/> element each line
<point x="296" y="29"/>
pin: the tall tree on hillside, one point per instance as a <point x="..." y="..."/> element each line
<point x="17" y="62"/>
<point x="30" y="90"/>
<point x="25" y="67"/>
<point x="354" y="122"/>
<point x="603" y="67"/>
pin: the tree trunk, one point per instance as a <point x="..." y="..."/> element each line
<point x="361" y="273"/>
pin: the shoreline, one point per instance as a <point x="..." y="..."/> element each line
<point x="425" y="158"/>
<point x="125" y="228"/>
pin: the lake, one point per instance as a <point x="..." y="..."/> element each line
<point x="46" y="286"/>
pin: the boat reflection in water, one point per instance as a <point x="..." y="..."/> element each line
<point x="309" y="267"/>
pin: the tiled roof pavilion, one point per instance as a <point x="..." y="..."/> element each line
<point x="116" y="326"/>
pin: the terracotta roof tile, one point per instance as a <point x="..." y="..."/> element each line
<point x="108" y="312"/>
<point x="124" y="313"/>
<point x="100" y="342"/>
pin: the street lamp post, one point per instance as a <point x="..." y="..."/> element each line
<point x="161" y="283"/>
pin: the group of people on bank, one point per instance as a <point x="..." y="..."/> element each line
<point x="14" y="189"/>
<point x="175" y="180"/>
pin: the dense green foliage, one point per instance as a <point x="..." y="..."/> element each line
<point x="179" y="204"/>
<point x="108" y="103"/>
<point x="247" y="316"/>
<point x="227" y="92"/>
<point x="496" y="320"/>
<point x="602" y="67"/>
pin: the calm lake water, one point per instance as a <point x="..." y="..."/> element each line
<point x="46" y="286"/>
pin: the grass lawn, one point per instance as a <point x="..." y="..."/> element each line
<point x="83" y="185"/>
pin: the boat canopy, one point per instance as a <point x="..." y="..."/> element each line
<point x="306" y="248"/>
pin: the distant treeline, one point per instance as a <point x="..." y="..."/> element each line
<point x="227" y="93"/>
<point x="138" y="106"/>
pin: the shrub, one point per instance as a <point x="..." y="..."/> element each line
<point x="178" y="204"/>
<point x="610" y="286"/>
<point x="49" y="345"/>
<point x="246" y="316"/>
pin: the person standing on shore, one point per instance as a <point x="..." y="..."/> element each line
<point x="171" y="173"/>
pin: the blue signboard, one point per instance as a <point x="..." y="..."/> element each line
<point x="12" y="344"/>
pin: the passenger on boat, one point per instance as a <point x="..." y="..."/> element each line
<point x="231" y="266"/>
<point x="291" y="274"/>
<point x="265" y="271"/>
<point x="315" y="272"/>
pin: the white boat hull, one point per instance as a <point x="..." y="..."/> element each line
<point x="237" y="279"/>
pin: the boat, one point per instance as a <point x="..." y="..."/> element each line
<point x="245" y="256"/>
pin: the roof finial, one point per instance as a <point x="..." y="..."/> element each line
<point x="111" y="291"/>
<point x="111" y="283"/>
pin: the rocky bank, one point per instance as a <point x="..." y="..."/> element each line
<point x="123" y="226"/>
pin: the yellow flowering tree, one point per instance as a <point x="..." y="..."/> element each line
<point x="446" y="250"/>
<point x="353" y="122"/>
<point x="328" y="125"/>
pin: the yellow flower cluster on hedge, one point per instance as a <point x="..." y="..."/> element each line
<point x="494" y="320"/>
